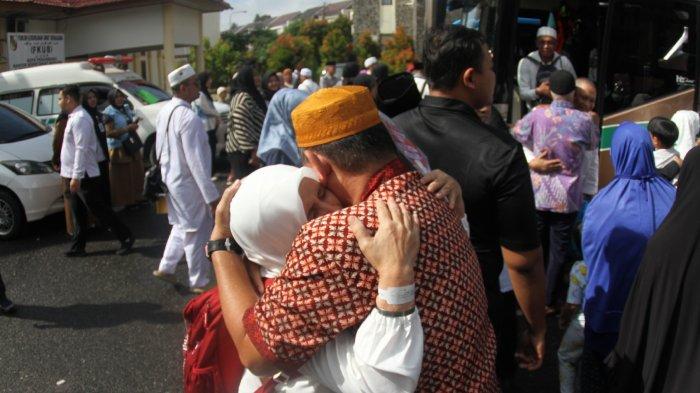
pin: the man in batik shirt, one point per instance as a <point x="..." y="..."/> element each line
<point x="565" y="133"/>
<point x="327" y="285"/>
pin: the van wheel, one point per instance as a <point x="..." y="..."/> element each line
<point x="12" y="219"/>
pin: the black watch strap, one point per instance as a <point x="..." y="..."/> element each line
<point x="228" y="244"/>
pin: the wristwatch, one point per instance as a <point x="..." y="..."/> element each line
<point x="227" y="244"/>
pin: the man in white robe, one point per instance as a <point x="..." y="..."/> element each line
<point x="183" y="152"/>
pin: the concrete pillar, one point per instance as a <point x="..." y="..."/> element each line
<point x="168" y="38"/>
<point x="3" y="45"/>
<point x="137" y="63"/>
<point x="199" y="49"/>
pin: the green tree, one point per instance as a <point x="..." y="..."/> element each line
<point x="366" y="46"/>
<point x="336" y="46"/>
<point x="343" y="24"/>
<point x="294" y="27"/>
<point x="289" y="51"/>
<point x="221" y="60"/>
<point x="398" y="51"/>
<point x="258" y="42"/>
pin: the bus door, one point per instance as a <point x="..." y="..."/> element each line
<point x="647" y="65"/>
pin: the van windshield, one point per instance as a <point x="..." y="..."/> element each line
<point x="15" y="127"/>
<point x="145" y="92"/>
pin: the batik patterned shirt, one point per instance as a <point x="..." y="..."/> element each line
<point x="565" y="133"/>
<point x="327" y="286"/>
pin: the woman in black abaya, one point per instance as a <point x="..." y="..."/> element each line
<point x="658" y="349"/>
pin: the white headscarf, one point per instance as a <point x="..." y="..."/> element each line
<point x="688" y="123"/>
<point x="266" y="214"/>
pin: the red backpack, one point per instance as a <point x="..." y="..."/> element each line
<point x="211" y="363"/>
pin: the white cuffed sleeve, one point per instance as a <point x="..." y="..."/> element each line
<point x="384" y="355"/>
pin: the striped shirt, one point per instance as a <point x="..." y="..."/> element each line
<point x="245" y="123"/>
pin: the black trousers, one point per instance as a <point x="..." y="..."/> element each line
<point x="502" y="308"/>
<point x="594" y="374"/>
<point x="3" y="296"/>
<point x="104" y="174"/>
<point x="555" y="232"/>
<point x="211" y="134"/>
<point x="240" y="164"/>
<point x="93" y="192"/>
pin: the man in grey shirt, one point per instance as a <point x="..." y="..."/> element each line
<point x="329" y="79"/>
<point x="535" y="68"/>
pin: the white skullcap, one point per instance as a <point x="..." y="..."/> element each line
<point x="546" y="31"/>
<point x="220" y="90"/>
<point x="305" y="72"/>
<point x="180" y="75"/>
<point x="370" y="61"/>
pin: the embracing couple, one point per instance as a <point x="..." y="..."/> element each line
<point x="371" y="281"/>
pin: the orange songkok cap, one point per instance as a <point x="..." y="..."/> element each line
<point x="332" y="114"/>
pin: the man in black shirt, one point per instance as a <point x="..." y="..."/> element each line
<point x="491" y="168"/>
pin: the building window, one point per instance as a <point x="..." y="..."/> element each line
<point x="387" y="2"/>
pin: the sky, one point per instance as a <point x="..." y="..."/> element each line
<point x="270" y="7"/>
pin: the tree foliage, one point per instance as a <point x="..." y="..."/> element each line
<point x="366" y="46"/>
<point x="337" y="44"/>
<point x="289" y="51"/>
<point x="221" y="60"/>
<point x="398" y="51"/>
<point x="259" y="42"/>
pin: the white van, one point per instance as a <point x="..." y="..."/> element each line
<point x="35" y="91"/>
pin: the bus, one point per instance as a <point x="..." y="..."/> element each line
<point x="641" y="54"/>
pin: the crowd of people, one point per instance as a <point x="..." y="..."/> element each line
<point x="392" y="233"/>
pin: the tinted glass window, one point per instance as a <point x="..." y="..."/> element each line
<point x="15" y="127"/>
<point x="146" y="93"/>
<point x="651" y="52"/>
<point x="21" y="100"/>
<point x="48" y="102"/>
<point x="102" y="92"/>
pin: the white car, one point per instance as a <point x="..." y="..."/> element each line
<point x="35" y="91"/>
<point x="29" y="187"/>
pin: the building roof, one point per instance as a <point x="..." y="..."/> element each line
<point x="333" y="8"/>
<point x="325" y="11"/>
<point x="282" y="20"/>
<point x="76" y="4"/>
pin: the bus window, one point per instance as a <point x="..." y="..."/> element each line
<point x="651" y="52"/>
<point x="48" y="102"/>
<point x="22" y="100"/>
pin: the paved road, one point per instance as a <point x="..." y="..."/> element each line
<point x="102" y="323"/>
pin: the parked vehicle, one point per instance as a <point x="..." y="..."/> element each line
<point x="29" y="187"/>
<point x="35" y="91"/>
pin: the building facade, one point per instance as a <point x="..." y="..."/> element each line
<point x="152" y="31"/>
<point x="382" y="17"/>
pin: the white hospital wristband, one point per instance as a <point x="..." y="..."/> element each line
<point x="398" y="295"/>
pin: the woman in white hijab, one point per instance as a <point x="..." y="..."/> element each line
<point x="386" y="352"/>
<point x="688" y="123"/>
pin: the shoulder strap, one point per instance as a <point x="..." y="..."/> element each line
<point x="532" y="59"/>
<point x="167" y="141"/>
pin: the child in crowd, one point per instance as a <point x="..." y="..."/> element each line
<point x="664" y="134"/>
<point x="572" y="319"/>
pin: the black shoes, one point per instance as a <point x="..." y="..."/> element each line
<point x="126" y="246"/>
<point x="6" y="306"/>
<point x="75" y="253"/>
